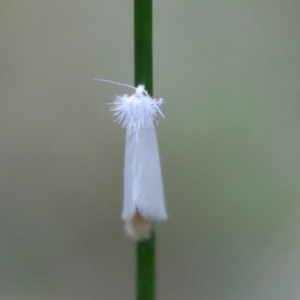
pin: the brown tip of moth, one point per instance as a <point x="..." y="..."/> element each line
<point x="138" y="228"/>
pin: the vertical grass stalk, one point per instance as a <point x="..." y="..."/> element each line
<point x="143" y="74"/>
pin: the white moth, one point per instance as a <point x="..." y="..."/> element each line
<point x="143" y="188"/>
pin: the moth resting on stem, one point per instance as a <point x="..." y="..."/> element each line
<point x="143" y="188"/>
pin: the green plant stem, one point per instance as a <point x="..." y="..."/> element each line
<point x="145" y="269"/>
<point x="143" y="44"/>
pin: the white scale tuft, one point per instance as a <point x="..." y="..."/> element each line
<point x="136" y="111"/>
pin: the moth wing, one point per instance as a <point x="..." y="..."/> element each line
<point x="129" y="207"/>
<point x="143" y="190"/>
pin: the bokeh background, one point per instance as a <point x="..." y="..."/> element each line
<point x="229" y="72"/>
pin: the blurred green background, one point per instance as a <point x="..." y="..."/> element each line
<point x="229" y="72"/>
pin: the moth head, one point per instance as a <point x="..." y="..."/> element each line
<point x="140" y="90"/>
